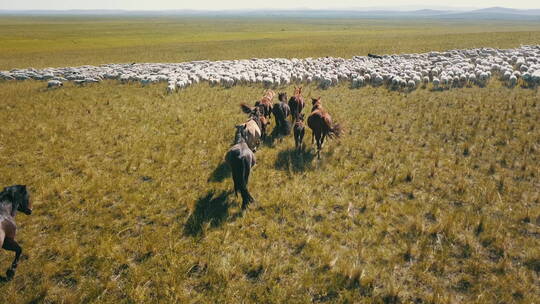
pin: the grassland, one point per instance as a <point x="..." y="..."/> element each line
<point x="429" y="197"/>
<point x="63" y="41"/>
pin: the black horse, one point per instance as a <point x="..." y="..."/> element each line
<point x="12" y="199"/>
<point x="281" y="111"/>
<point x="374" y="56"/>
<point x="241" y="159"/>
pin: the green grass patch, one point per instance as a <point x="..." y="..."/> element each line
<point x="68" y="41"/>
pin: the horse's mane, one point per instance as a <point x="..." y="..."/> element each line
<point x="317" y="106"/>
<point x="238" y="137"/>
<point x="4" y="196"/>
<point x="282" y="97"/>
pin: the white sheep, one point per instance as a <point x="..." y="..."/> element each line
<point x="171" y="88"/>
<point x="51" y="84"/>
<point x="436" y="82"/>
<point x="512" y="80"/>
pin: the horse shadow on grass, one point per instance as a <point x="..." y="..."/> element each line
<point x="278" y="134"/>
<point x="220" y="173"/>
<point x="293" y="160"/>
<point x="211" y="209"/>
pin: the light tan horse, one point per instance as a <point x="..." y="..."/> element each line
<point x="266" y="103"/>
<point x="253" y="126"/>
<point x="12" y="199"/>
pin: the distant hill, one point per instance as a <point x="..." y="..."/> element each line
<point x="503" y="10"/>
<point x="478" y="14"/>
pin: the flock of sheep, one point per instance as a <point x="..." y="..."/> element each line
<point x="454" y="68"/>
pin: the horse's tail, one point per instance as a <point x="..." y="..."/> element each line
<point x="335" y="130"/>
<point x="285" y="127"/>
<point x="242" y="184"/>
<point x="245" y="108"/>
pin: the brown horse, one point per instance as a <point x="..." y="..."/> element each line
<point x="12" y="199"/>
<point x="296" y="103"/>
<point x="320" y="123"/>
<point x="266" y="103"/>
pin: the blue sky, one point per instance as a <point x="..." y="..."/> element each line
<point x="256" y="4"/>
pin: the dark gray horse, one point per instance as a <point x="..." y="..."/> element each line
<point x="241" y="159"/>
<point x="281" y="111"/>
<point x="12" y="199"/>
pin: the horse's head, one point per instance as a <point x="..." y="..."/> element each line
<point x="282" y="97"/>
<point x="256" y="111"/>
<point x="241" y="133"/>
<point x="19" y="198"/>
<point x="297" y="90"/>
<point x="316" y="102"/>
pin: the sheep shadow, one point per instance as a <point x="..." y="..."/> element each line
<point x="212" y="209"/>
<point x="220" y="173"/>
<point x="294" y="160"/>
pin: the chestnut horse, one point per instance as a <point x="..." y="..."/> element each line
<point x="321" y="125"/>
<point x="296" y="103"/>
<point x="266" y="103"/>
<point x="12" y="199"/>
<point x="241" y="159"/>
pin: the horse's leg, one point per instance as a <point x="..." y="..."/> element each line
<point x="11" y="245"/>
<point x="319" y="146"/>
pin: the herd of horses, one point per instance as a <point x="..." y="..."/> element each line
<point x="240" y="157"/>
<point x="249" y="135"/>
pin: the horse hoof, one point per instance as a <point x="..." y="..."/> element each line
<point x="9" y="274"/>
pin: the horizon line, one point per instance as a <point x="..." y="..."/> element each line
<point x="357" y="9"/>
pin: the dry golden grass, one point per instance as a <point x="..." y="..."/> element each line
<point x="429" y="197"/>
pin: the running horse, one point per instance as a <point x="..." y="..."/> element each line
<point x="265" y="104"/>
<point x="256" y="126"/>
<point x="241" y="159"/>
<point x="296" y="103"/>
<point x="281" y="111"/>
<point x="320" y="122"/>
<point x="12" y="199"/>
<point x="299" y="131"/>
